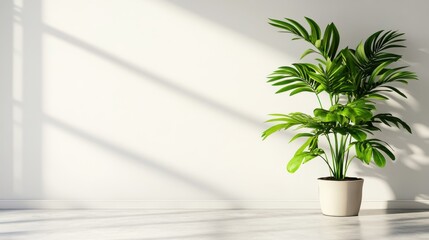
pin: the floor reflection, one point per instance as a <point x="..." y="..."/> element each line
<point x="211" y="224"/>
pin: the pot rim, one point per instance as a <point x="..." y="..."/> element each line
<point x="347" y="179"/>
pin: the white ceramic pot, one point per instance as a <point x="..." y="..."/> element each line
<point x="340" y="197"/>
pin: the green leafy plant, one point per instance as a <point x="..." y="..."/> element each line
<point x="353" y="80"/>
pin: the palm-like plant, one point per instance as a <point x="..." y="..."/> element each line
<point x="354" y="79"/>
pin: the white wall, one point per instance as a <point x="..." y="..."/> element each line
<point x="163" y="103"/>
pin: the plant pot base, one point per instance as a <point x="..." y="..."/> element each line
<point x="340" y="198"/>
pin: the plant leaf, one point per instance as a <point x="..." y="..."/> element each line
<point x="295" y="162"/>
<point x="378" y="158"/>
<point x="299" y="135"/>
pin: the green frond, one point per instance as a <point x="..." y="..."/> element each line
<point x="354" y="80"/>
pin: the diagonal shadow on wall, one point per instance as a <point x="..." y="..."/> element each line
<point x="32" y="102"/>
<point x="148" y="162"/>
<point x="167" y="83"/>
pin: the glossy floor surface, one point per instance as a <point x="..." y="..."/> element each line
<point x="209" y="224"/>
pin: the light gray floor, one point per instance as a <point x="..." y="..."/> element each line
<point x="209" y="224"/>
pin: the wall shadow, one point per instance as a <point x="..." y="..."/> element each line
<point x="248" y="18"/>
<point x="154" y="78"/>
<point x="6" y="98"/>
<point x="21" y="76"/>
<point x="32" y="94"/>
<point x="148" y="162"/>
<point x="407" y="176"/>
<point x="31" y="105"/>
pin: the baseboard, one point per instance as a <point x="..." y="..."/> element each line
<point x="232" y="204"/>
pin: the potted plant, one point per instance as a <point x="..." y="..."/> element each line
<point x="347" y="83"/>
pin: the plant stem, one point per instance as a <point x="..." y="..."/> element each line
<point x="336" y="159"/>
<point x="348" y="163"/>
<point x="318" y="99"/>
<point x="347" y="154"/>
<point x="332" y="154"/>
<point x="341" y="156"/>
<point x="325" y="159"/>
